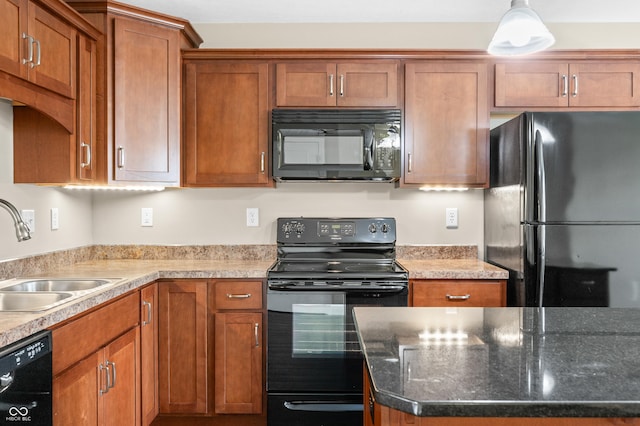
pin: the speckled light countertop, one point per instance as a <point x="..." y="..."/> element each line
<point x="136" y="266"/>
<point x="453" y="269"/>
<point x="503" y="362"/>
<point x="133" y="274"/>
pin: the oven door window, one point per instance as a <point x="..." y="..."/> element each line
<point x="320" y="148"/>
<point x="318" y="330"/>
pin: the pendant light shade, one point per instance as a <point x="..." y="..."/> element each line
<point x="520" y="32"/>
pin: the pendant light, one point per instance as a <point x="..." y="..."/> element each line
<point x="520" y="32"/>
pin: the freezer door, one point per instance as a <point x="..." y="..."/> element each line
<point x="583" y="265"/>
<point x="582" y="167"/>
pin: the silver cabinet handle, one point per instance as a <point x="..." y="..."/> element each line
<point x="113" y="373"/>
<point x="148" y="306"/>
<point x="574" y="77"/>
<point x="38" y="55"/>
<point x="120" y="157"/>
<point x="256" y="329"/>
<point x="102" y="368"/>
<point x="87" y="155"/>
<point x="565" y="86"/>
<point x="410" y="166"/>
<point x="341" y="85"/>
<point x="458" y="297"/>
<point x="29" y="59"/>
<point x="238" y="296"/>
<point x="330" y="84"/>
<point x="262" y="158"/>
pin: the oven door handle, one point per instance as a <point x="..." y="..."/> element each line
<point x="391" y="288"/>
<point x="333" y="406"/>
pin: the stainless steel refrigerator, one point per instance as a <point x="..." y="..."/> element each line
<point x="562" y="213"/>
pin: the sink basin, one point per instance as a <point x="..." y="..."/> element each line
<point x="47" y="285"/>
<point x="32" y="302"/>
<point x="40" y="294"/>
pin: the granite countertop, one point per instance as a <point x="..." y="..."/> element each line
<point x="503" y="362"/>
<point x="452" y="269"/>
<point x="133" y="274"/>
<point x="141" y="265"/>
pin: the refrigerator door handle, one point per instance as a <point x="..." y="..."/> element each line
<point x="541" y="178"/>
<point x="541" y="261"/>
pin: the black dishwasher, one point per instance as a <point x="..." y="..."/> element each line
<point x="25" y="381"/>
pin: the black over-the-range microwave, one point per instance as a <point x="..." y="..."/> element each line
<point x="336" y="145"/>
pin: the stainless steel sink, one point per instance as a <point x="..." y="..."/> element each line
<point x="67" y="284"/>
<point x="32" y="302"/>
<point x="40" y="294"/>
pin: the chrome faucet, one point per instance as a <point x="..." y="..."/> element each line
<point x="22" y="229"/>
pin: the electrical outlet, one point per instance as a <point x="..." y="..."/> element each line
<point x="451" y="217"/>
<point x="253" y="216"/>
<point x="146" y="216"/>
<point x="55" y="223"/>
<point x="29" y="217"/>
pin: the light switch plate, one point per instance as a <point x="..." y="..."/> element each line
<point x="55" y="219"/>
<point x="146" y="216"/>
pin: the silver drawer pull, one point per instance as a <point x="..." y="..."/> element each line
<point x="458" y="297"/>
<point x="238" y="296"/>
<point x="256" y="332"/>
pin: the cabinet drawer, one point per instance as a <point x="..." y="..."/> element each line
<point x="469" y="293"/>
<point x="238" y="294"/>
<point x="86" y="334"/>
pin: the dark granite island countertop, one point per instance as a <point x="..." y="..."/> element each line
<point x="503" y="362"/>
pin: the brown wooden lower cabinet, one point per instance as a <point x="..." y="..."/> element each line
<point x="149" y="353"/>
<point x="238" y="363"/>
<point x="182" y="361"/>
<point x="211" y="354"/>
<point x="458" y="293"/>
<point x="103" y="388"/>
<point x="390" y="417"/>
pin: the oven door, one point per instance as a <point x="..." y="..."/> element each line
<point x="312" y="346"/>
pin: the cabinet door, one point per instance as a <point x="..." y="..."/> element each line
<point x="76" y="398"/>
<point x="182" y="361"/>
<point x="13" y="22"/>
<point x="306" y="84"/>
<point x="54" y="56"/>
<point x="446" y="124"/>
<point x="238" y="363"/>
<point x="459" y="293"/>
<point x="122" y="401"/>
<point x="147" y="103"/>
<point x="226" y="124"/>
<point x="317" y="84"/>
<point x="532" y="84"/>
<point x="86" y="106"/>
<point x="604" y="84"/>
<point x="367" y="84"/>
<point x="149" y="353"/>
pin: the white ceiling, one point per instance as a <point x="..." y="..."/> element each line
<point x="305" y="11"/>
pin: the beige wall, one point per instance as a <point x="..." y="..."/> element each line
<point x="217" y="216"/>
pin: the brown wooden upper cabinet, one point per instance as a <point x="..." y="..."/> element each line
<point x="342" y="84"/>
<point x="446" y="123"/>
<point x="38" y="46"/>
<point x="558" y="84"/>
<point x="226" y="123"/>
<point x="138" y="91"/>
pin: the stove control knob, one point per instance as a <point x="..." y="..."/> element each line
<point x="299" y="228"/>
<point x="384" y="228"/>
<point x="372" y="228"/>
<point x="286" y="228"/>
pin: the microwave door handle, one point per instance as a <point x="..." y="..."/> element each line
<point x="368" y="149"/>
